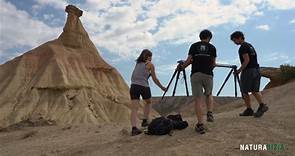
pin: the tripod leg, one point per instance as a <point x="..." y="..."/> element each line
<point x="184" y="76"/>
<point x="169" y="83"/>
<point x="176" y="81"/>
<point x="235" y="81"/>
<point x="239" y="83"/>
<point x="225" y="81"/>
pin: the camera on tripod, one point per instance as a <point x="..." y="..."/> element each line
<point x="181" y="62"/>
<point x="177" y="72"/>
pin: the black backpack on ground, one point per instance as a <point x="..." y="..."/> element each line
<point x="177" y="122"/>
<point x="160" y="126"/>
<point x="176" y="117"/>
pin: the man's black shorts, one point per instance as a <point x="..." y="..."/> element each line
<point x="250" y="80"/>
<point x="137" y="90"/>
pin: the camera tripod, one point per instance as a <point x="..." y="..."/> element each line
<point x="236" y="77"/>
<point x="177" y="73"/>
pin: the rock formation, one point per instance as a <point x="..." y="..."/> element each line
<point x="64" y="80"/>
<point x="276" y="76"/>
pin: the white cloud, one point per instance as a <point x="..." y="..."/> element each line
<point x="126" y="27"/>
<point x="264" y="27"/>
<point x="259" y="13"/>
<point x="292" y="21"/>
<point x="136" y="24"/>
<point x="58" y="4"/>
<point x="21" y="30"/>
<point x="281" y="4"/>
<point x="48" y="16"/>
<point x="166" y="69"/>
<point x="276" y="59"/>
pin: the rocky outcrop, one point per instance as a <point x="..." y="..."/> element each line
<point x="64" y="80"/>
<point x="276" y="76"/>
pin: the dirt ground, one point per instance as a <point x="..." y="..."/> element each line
<point x="224" y="135"/>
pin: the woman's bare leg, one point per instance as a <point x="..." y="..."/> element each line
<point x="134" y="109"/>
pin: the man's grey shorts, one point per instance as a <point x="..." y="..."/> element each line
<point x="202" y="84"/>
<point x="250" y="80"/>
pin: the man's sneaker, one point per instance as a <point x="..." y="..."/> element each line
<point x="200" y="128"/>
<point x="210" y="117"/>
<point x="144" y="123"/>
<point x="135" y="131"/>
<point x="260" y="111"/>
<point x="247" y="112"/>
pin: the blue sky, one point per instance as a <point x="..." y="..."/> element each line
<point x="120" y="29"/>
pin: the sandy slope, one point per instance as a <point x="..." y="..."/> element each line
<point x="224" y="136"/>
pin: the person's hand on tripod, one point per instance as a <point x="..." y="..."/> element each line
<point x="179" y="67"/>
<point x="164" y="89"/>
<point x="237" y="72"/>
<point x="183" y="64"/>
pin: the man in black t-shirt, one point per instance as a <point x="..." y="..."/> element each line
<point x="202" y="56"/>
<point x="250" y="76"/>
<point x="202" y="53"/>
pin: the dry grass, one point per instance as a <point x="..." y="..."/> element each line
<point x="288" y="72"/>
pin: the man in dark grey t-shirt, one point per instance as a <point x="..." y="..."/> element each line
<point x="250" y="76"/>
